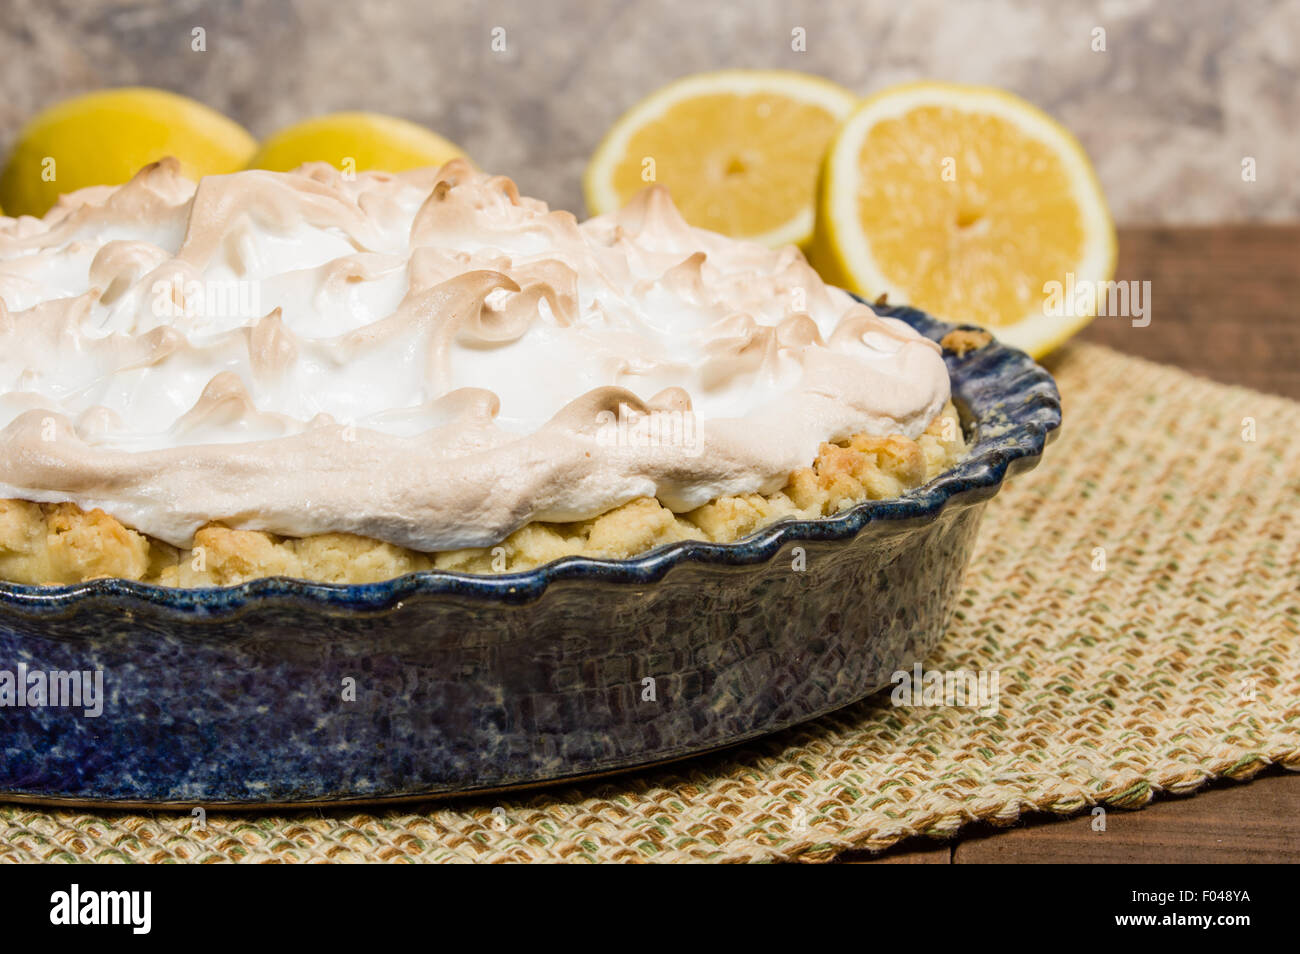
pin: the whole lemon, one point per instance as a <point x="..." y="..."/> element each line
<point x="355" y="142"/>
<point x="103" y="138"/>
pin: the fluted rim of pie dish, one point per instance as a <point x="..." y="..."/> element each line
<point x="1018" y="389"/>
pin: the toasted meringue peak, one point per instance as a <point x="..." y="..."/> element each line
<point x="427" y="358"/>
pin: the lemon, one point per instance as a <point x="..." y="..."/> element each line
<point x="104" y="138"/>
<point x="737" y="149"/>
<point x="356" y="142"/>
<point x="969" y="203"/>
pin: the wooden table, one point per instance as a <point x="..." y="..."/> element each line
<point x="1226" y="305"/>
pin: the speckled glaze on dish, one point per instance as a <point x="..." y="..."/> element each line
<point x="464" y="683"/>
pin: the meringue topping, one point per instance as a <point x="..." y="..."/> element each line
<point x="426" y="358"/>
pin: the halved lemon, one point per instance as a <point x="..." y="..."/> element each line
<point x="358" y="142"/>
<point x="104" y="138"/>
<point x="737" y="149"/>
<point x="969" y="203"/>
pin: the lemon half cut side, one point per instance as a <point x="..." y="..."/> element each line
<point x="738" y="150"/>
<point x="969" y="203"/>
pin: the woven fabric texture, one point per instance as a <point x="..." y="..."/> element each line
<point x="1138" y="594"/>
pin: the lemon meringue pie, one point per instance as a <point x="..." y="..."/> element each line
<point x="348" y="378"/>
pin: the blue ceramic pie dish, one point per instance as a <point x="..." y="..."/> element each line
<point x="283" y="691"/>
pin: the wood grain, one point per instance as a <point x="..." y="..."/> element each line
<point x="1257" y="821"/>
<point x="1225" y="304"/>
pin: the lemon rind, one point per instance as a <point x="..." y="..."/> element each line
<point x="597" y="184"/>
<point x="212" y="125"/>
<point x="845" y="250"/>
<point x="412" y="135"/>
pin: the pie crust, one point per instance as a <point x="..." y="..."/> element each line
<point x="61" y="543"/>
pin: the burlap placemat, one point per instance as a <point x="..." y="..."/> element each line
<point x="1173" y="660"/>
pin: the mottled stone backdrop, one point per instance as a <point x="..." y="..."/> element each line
<point x="1184" y="90"/>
